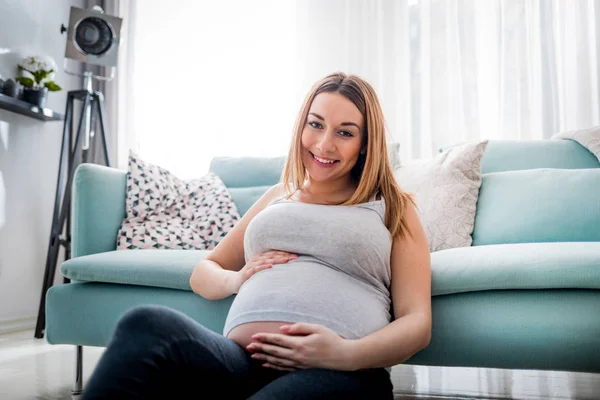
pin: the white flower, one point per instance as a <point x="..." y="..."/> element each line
<point x="49" y="63"/>
<point x="38" y="63"/>
<point x="29" y="63"/>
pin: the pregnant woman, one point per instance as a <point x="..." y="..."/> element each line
<point x="330" y="269"/>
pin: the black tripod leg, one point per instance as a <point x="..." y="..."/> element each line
<point x="71" y="166"/>
<point x="65" y="210"/>
<point x="54" y="230"/>
<point x="100" y="105"/>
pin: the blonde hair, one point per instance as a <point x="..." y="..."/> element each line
<point x="373" y="170"/>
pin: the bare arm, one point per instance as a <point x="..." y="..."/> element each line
<point x="216" y="276"/>
<point x="410" y="332"/>
<point x="212" y="281"/>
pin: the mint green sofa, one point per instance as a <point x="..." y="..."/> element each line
<point x="525" y="295"/>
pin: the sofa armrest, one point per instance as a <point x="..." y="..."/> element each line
<point x="98" y="199"/>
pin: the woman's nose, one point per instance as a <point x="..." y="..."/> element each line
<point x="326" y="143"/>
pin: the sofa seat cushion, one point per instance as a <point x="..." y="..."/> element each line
<point x="167" y="268"/>
<point x="562" y="265"/>
<point x="558" y="265"/>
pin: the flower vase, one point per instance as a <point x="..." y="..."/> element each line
<point x="37" y="97"/>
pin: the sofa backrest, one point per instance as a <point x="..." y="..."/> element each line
<point x="538" y="205"/>
<point x="510" y="155"/>
<point x="538" y="191"/>
<point x="532" y="191"/>
<point x="247" y="178"/>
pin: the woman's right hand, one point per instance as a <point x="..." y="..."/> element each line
<point x="259" y="263"/>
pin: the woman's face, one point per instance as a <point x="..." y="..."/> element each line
<point x="332" y="137"/>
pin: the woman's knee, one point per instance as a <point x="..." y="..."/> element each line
<point x="146" y="319"/>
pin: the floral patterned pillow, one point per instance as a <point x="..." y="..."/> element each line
<point x="164" y="212"/>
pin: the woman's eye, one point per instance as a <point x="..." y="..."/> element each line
<point x="318" y="125"/>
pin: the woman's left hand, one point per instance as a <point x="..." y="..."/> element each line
<point x="301" y="346"/>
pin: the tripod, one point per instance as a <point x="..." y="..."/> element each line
<point x="92" y="110"/>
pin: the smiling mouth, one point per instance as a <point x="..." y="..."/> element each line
<point x="323" y="161"/>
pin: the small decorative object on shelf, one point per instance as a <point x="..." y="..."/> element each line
<point x="38" y="73"/>
<point x="11" y="89"/>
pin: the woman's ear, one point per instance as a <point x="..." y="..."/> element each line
<point x="363" y="150"/>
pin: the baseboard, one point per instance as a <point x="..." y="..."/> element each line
<point x="17" y="324"/>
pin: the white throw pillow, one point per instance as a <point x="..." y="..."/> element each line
<point x="446" y="188"/>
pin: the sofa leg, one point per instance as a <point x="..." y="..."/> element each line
<point x="78" y="377"/>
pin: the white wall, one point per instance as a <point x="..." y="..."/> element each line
<point x="29" y="154"/>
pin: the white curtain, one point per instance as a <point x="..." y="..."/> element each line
<point x="213" y="79"/>
<point x="228" y="77"/>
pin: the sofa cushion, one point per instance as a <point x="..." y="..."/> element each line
<point x="445" y="189"/>
<point x="538" y="205"/>
<point x="465" y="269"/>
<point x="151" y="267"/>
<point x="165" y="212"/>
<point x="566" y="265"/>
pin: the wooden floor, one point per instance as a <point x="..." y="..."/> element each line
<point x="32" y="369"/>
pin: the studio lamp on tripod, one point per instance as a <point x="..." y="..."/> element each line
<point x="92" y="39"/>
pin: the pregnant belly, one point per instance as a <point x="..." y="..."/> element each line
<point x="242" y="334"/>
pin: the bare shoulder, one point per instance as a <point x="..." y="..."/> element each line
<point x="276" y="191"/>
<point x="415" y="227"/>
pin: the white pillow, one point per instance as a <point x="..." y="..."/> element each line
<point x="446" y="188"/>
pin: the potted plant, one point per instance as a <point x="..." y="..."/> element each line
<point x="37" y="80"/>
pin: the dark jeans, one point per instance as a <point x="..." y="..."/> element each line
<point x="158" y="352"/>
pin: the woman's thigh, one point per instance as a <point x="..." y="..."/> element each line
<point x="328" y="384"/>
<point x="156" y="349"/>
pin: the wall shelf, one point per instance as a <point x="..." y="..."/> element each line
<point x="25" y="108"/>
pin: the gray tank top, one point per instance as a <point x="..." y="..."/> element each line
<point x="341" y="278"/>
